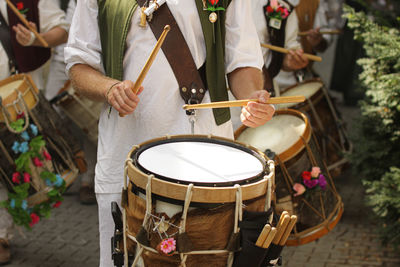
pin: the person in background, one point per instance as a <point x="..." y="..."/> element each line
<point x="20" y="51"/>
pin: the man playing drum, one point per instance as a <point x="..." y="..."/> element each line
<point x="104" y="73"/>
<point x="27" y="56"/>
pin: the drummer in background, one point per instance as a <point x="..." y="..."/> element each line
<point x="159" y="111"/>
<point x="311" y="16"/>
<point x="20" y="51"/>
<point x="56" y="80"/>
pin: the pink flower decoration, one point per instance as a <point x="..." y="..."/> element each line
<point x="27" y="177"/>
<point x="315" y="171"/>
<point x="37" y="162"/>
<point x="299" y="188"/>
<point x="285" y="13"/>
<point x="274" y="4"/>
<point x="15" y="177"/>
<point x="57" y="204"/>
<point x="46" y="155"/>
<point x="168" y="245"/>
<point x="322" y="182"/>
<point x="34" y="219"/>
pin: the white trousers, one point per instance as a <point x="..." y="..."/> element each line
<point x="106" y="225"/>
<point x="6" y="222"/>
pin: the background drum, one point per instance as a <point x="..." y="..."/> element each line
<point x="82" y="111"/>
<point x="21" y="101"/>
<point x="324" y="119"/>
<point x="288" y="137"/>
<point x="200" y="172"/>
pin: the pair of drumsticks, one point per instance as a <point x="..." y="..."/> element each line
<point x="277" y="235"/>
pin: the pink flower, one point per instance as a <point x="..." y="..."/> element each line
<point x="34" y="219"/>
<point x="15" y="177"/>
<point x="168" y="246"/>
<point x="57" y="204"/>
<point x="37" y="162"/>
<point x="285" y="13"/>
<point x="299" y="188"/>
<point x="27" y="177"/>
<point x="315" y="171"/>
<point x="306" y="175"/>
<point x="322" y="182"/>
<point x="46" y="155"/>
<point x="310" y="183"/>
<point x="274" y="4"/>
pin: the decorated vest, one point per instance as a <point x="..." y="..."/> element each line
<point x="114" y="21"/>
<point x="306" y="11"/>
<point x="31" y="57"/>
<point x="276" y="32"/>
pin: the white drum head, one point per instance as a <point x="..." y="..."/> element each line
<point x="278" y="134"/>
<point x="9" y="88"/>
<point x="308" y="89"/>
<point x="200" y="162"/>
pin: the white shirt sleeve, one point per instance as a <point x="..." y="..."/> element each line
<point x="242" y="46"/>
<point x="291" y="32"/>
<point x="51" y="15"/>
<point x="84" y="46"/>
<point x="321" y="20"/>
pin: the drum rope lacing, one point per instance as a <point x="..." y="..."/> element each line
<point x="22" y="105"/>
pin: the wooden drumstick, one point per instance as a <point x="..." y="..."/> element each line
<point x="263" y="235"/>
<point x="321" y="32"/>
<point x="270" y="237"/>
<point x="26" y="23"/>
<point x="288" y="230"/>
<point x="240" y="103"/>
<point x="149" y="61"/>
<point x="281" y="229"/>
<point x="285" y="51"/>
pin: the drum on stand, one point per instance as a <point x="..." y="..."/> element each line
<point x="35" y="147"/>
<point x="190" y="188"/>
<point x="84" y="112"/>
<point x="288" y="138"/>
<point x="324" y="119"/>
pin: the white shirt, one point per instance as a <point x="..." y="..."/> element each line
<point x="50" y="16"/>
<point x="160" y="109"/>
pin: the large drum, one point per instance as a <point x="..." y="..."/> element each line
<point x="82" y="111"/>
<point x="192" y="189"/>
<point x="324" y="119"/>
<point x="288" y="138"/>
<point x="38" y="155"/>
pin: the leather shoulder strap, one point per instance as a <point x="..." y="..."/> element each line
<point x="177" y="52"/>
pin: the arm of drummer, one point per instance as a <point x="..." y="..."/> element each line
<point x="53" y="37"/>
<point x="247" y="83"/>
<point x="96" y="86"/>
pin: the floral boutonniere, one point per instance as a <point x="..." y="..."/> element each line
<point x="21" y="8"/>
<point x="212" y="6"/>
<point x="311" y="180"/>
<point x="276" y="13"/>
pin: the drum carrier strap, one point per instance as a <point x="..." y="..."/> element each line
<point x="5" y="39"/>
<point x="176" y="50"/>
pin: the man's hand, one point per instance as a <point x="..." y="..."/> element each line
<point x="314" y="37"/>
<point x="257" y="113"/>
<point x="295" y="60"/>
<point x="23" y="35"/>
<point x="122" y="98"/>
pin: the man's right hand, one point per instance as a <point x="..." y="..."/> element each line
<point x="122" y="98"/>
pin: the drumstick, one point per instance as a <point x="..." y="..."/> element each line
<point x="321" y="32"/>
<point x="263" y="235"/>
<point x="281" y="229"/>
<point x="239" y="103"/>
<point x="149" y="61"/>
<point x="269" y="238"/>
<point x="24" y="21"/>
<point x="288" y="230"/>
<point x="285" y="51"/>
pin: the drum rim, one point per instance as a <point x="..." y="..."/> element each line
<point x="298" y="146"/>
<point x="315" y="98"/>
<point x="201" y="139"/>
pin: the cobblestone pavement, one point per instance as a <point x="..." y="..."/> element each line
<point x="70" y="237"/>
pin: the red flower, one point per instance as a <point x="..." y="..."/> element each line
<point x="213" y="2"/>
<point x="19" y="116"/>
<point x="270" y="9"/>
<point x="46" y="155"/>
<point x="34" y="219"/>
<point x="306" y="175"/>
<point x="279" y="9"/>
<point x="37" y="162"/>
<point x="27" y="177"/>
<point x="15" y="177"/>
<point x="57" y="204"/>
<point x="20" y="5"/>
